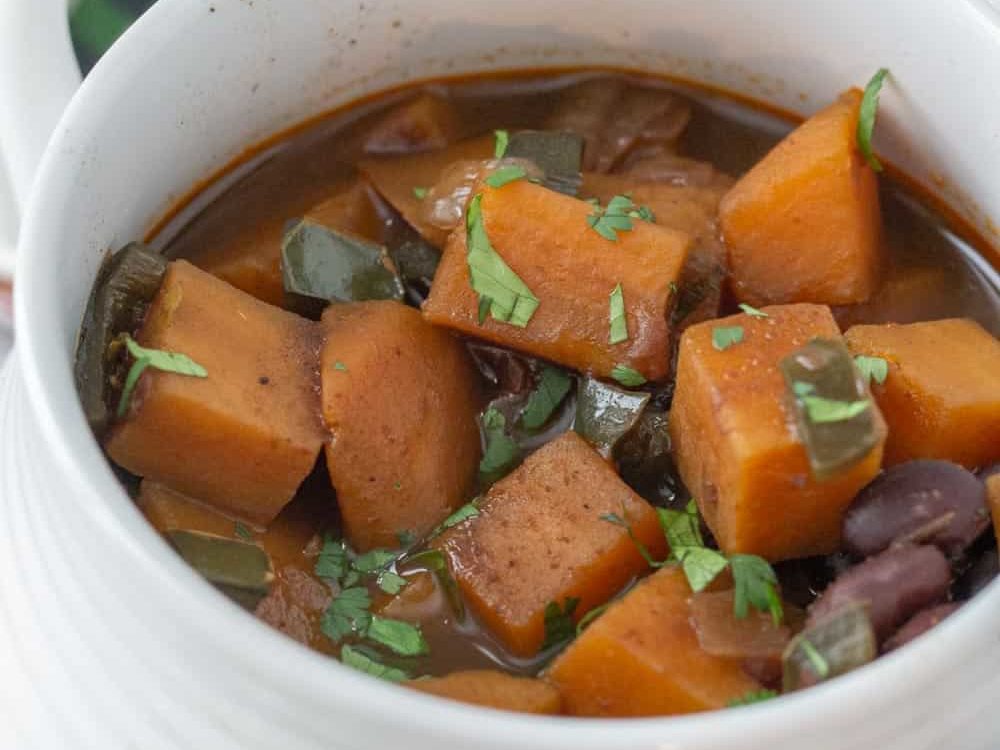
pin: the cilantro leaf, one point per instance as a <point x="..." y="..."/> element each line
<point x="391" y="583"/>
<point x="505" y="175"/>
<point x="822" y="410"/>
<point x="332" y="562"/>
<point x="754" y="696"/>
<point x="701" y="565"/>
<point x="592" y="615"/>
<point x="419" y="193"/>
<point x="353" y="657"/>
<point x="560" y="627"/>
<point x="616" y="316"/>
<point x="553" y="385"/>
<point x="753" y="312"/>
<point x="373" y="561"/>
<point x="399" y="637"/>
<point x="681" y="527"/>
<point x="467" y="511"/>
<point x="627" y="376"/>
<point x="502" y="454"/>
<point x="347" y="614"/>
<point x="243" y="532"/>
<point x="724" y="337"/>
<point x="615" y="519"/>
<point x="613" y="218"/>
<point x="866" y="118"/>
<point x="511" y="301"/>
<point x="872" y="368"/>
<point x="500" y="147"/>
<point x="174" y="362"/>
<point x="755" y="585"/>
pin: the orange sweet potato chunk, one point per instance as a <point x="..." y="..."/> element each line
<point x="243" y="438"/>
<point x="545" y="238"/>
<point x="642" y="658"/>
<point x="493" y="689"/>
<point x="539" y="538"/>
<point x="250" y="259"/>
<point x="736" y="447"/>
<point x="804" y="224"/>
<point x="941" y="398"/>
<point x="400" y="398"/>
<point x="395" y="177"/>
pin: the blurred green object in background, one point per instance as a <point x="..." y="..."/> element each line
<point x="95" y="24"/>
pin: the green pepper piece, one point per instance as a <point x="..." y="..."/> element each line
<point x="837" y="419"/>
<point x="605" y="413"/>
<point x="558" y="153"/>
<point x="126" y="283"/>
<point x="325" y="264"/>
<point x="240" y="570"/>
<point x="837" y="644"/>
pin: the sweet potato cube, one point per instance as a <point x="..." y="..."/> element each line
<point x="493" y="689"/>
<point x="400" y="398"/>
<point x="539" y="538"/>
<point x="732" y="426"/>
<point x="546" y="240"/>
<point x="250" y="258"/>
<point x="243" y="438"/>
<point x="642" y="658"/>
<point x="395" y="178"/>
<point x="804" y="224"/>
<point x="941" y="397"/>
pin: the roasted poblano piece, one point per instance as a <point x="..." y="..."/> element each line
<point x="836" y="417"/>
<point x="606" y="413"/>
<point x="325" y="264"/>
<point x="558" y="153"/>
<point x="240" y="570"/>
<point x="126" y="283"/>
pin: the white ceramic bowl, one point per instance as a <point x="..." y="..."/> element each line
<point x="107" y="640"/>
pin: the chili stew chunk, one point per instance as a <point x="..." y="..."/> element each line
<point x="572" y="396"/>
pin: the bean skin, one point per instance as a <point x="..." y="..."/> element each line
<point x="919" y="624"/>
<point x="936" y="502"/>
<point x="896" y="584"/>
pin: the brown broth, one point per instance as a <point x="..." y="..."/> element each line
<point x="932" y="273"/>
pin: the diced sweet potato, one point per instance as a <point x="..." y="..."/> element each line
<point x="251" y="261"/>
<point x="243" y="438"/>
<point x="692" y="210"/>
<point x="424" y="123"/>
<point x="395" y="177"/>
<point x="545" y="238"/>
<point x="732" y="426"/>
<point x="993" y="501"/>
<point x="400" y="398"/>
<point x="941" y="398"/>
<point x="493" y="689"/>
<point x="642" y="658"/>
<point x="804" y="224"/>
<point x="539" y="538"/>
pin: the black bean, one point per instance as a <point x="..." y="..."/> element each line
<point x="894" y="584"/>
<point x="919" y="624"/>
<point x="979" y="573"/>
<point x="937" y="502"/>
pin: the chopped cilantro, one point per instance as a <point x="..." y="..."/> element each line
<point x="627" y="376"/>
<point x="820" y="410"/>
<point x="615" y="519"/>
<point x="243" y="532"/>
<point x="616" y="316"/>
<point x="373" y="561"/>
<point x="614" y="218"/>
<point x="511" y="301"/>
<point x="755" y="584"/>
<point x="347" y="614"/>
<point x="399" y="637"/>
<point x="406" y="537"/>
<point x="724" y="337"/>
<point x="701" y="565"/>
<point x="505" y="175"/>
<point x="559" y="625"/>
<point x="391" y="583"/>
<point x="753" y="312"/>
<point x="553" y="385"/>
<point x="872" y="368"/>
<point x="500" y="147"/>
<point x="419" y="193"/>
<point x="467" y="511"/>
<point x="754" y="696"/>
<point x="354" y="657"/>
<point x="592" y="615"/>
<point x="338" y="365"/>
<point x="173" y="362"/>
<point x="333" y="562"/>
<point x="502" y="454"/>
<point x="866" y="118"/>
